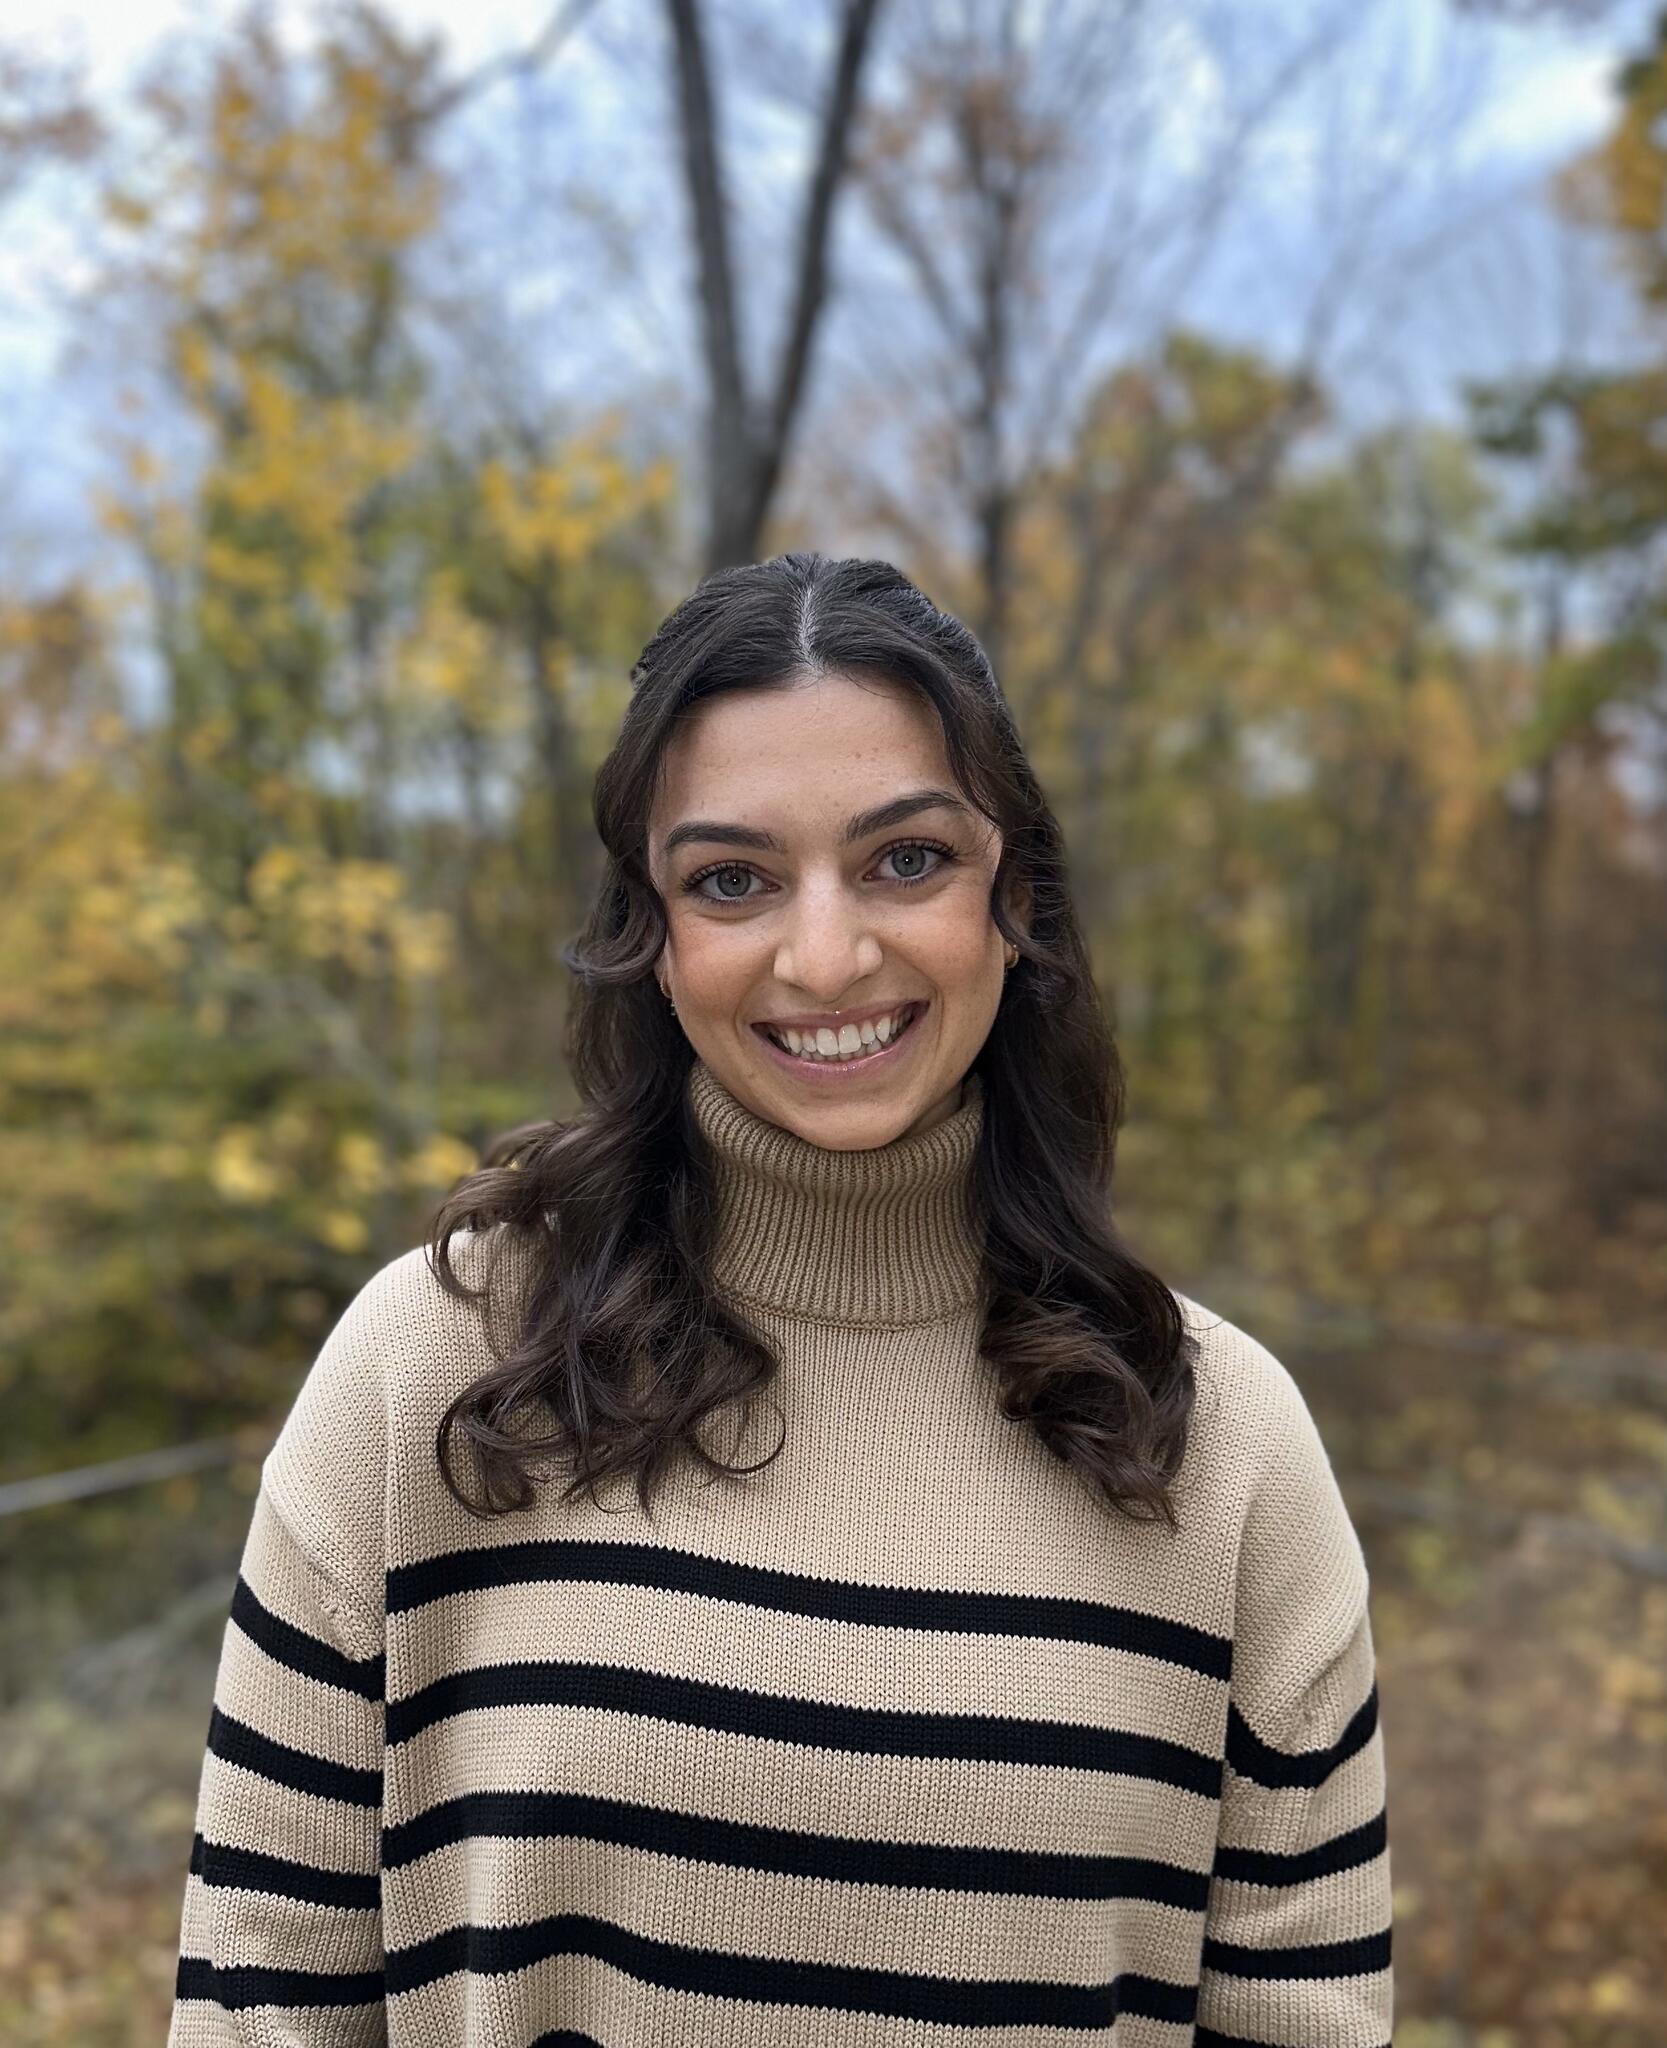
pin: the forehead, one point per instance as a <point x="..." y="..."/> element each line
<point x="810" y="754"/>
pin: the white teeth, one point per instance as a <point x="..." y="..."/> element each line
<point x="851" y="1041"/>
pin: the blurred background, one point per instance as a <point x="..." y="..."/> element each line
<point x="1278" y="388"/>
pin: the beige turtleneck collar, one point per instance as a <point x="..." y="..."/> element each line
<point x="884" y="1236"/>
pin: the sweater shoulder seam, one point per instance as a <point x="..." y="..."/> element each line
<point x="349" y="1596"/>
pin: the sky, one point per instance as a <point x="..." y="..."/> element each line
<point x="1555" y="86"/>
<point x="113" y="34"/>
<point x="1495" y="297"/>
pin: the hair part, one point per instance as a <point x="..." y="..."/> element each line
<point x="620" y="1339"/>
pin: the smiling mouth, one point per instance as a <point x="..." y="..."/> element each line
<point x="814" y="1051"/>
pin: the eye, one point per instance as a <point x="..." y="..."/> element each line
<point x="912" y="849"/>
<point x="729" y="867"/>
<point x="905" y="849"/>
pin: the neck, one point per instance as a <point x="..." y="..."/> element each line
<point x="883" y="1236"/>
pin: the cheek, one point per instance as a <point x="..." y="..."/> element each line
<point x="955" y="948"/>
<point x="713" y="959"/>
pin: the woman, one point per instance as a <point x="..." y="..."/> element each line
<point x="1012" y="1682"/>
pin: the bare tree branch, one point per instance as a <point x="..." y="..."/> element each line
<point x="746" y="451"/>
<point x="515" y="64"/>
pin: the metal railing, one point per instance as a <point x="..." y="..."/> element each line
<point x="52" y="1489"/>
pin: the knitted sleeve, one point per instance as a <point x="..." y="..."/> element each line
<point x="1298" y="1922"/>
<point x="281" y="1932"/>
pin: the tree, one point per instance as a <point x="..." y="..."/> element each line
<point x="44" y="119"/>
<point x="1584" y="444"/>
<point x="1017" y="171"/>
<point x="748" y="439"/>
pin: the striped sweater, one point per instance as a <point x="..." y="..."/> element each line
<point x="904" y="1738"/>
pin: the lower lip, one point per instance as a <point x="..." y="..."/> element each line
<point x="837" y="1073"/>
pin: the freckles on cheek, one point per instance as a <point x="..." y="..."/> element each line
<point x="960" y="949"/>
<point x="712" y="963"/>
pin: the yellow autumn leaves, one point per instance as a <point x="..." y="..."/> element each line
<point x="253" y="1166"/>
<point x="353" y="911"/>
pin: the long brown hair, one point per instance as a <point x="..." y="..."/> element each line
<point x="621" y="1341"/>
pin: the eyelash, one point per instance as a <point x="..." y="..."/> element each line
<point x="718" y="867"/>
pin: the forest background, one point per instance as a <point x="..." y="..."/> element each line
<point x="1280" y="392"/>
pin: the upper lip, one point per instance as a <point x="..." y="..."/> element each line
<point x="831" y="1020"/>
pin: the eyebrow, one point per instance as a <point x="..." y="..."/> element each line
<point x="859" y="827"/>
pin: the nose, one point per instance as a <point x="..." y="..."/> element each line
<point x="829" y="946"/>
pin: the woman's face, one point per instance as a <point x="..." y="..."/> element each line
<point x="790" y="903"/>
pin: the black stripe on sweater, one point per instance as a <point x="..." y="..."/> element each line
<point x="781" y="1717"/>
<point x="302" y="1652"/>
<point x="196" y="1977"/>
<point x="599" y="1562"/>
<point x="219" y="1863"/>
<point x="235" y="1742"/>
<point x="766" y="1980"/>
<point x="1207" y="2037"/>
<point x="838" y="1859"/>
<point x="1343" y="1852"/>
<point x="1320" y="1959"/>
<point x="1253" y="1758"/>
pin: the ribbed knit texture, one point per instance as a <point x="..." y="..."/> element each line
<point x="903" y="1738"/>
<point x="848" y="1237"/>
